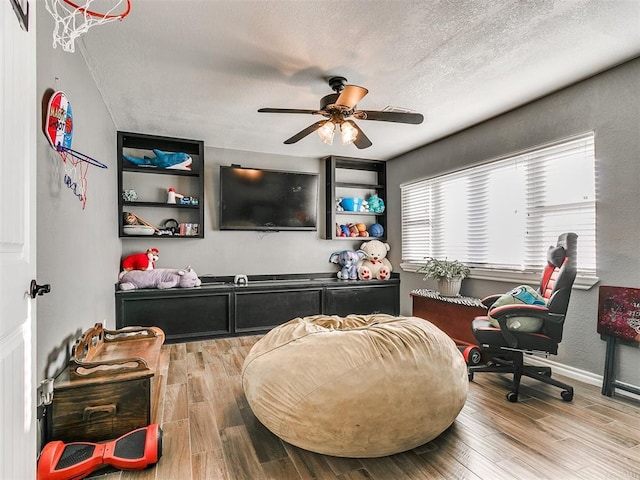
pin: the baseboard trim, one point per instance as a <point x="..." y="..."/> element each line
<point x="577" y="374"/>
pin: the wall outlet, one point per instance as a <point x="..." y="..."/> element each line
<point x="45" y="392"/>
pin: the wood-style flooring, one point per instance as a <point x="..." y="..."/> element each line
<point x="210" y="432"/>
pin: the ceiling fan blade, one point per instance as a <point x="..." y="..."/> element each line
<point x="300" y="135"/>
<point x="361" y="141"/>
<point x="287" y="110"/>
<point x="398" y="117"/>
<point x="351" y="95"/>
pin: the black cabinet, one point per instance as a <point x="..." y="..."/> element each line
<point x="220" y="308"/>
<point x="365" y="299"/>
<point x="183" y="314"/>
<point x="147" y="187"/>
<point x="263" y="310"/>
<point x="353" y="178"/>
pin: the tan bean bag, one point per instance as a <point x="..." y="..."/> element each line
<point x="359" y="386"/>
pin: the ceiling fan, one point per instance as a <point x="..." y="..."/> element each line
<point x="338" y="109"/>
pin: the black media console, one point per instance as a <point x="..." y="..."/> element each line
<point x="221" y="308"/>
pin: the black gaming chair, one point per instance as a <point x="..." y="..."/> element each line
<point x="508" y="346"/>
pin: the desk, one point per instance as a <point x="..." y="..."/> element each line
<point x="452" y="315"/>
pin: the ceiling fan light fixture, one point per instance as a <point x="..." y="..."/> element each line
<point x="326" y="132"/>
<point x="348" y="133"/>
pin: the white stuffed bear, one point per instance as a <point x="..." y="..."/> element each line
<point x="375" y="265"/>
<point x="159" y="278"/>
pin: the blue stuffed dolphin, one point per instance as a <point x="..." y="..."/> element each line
<point x="177" y="160"/>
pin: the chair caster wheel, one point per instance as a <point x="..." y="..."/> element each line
<point x="566" y="395"/>
<point x="470" y="376"/>
<point x="512" y="397"/>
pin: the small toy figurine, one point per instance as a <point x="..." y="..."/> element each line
<point x="172" y="195"/>
<point x="141" y="261"/>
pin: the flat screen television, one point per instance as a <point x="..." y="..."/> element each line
<point x="259" y="199"/>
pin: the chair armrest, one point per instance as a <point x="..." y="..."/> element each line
<point x="490" y="299"/>
<point x="520" y="310"/>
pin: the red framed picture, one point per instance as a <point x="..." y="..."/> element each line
<point x="619" y="313"/>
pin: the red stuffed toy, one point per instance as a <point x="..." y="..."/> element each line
<point x="141" y="261"/>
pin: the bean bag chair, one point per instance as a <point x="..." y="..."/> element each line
<point x="359" y="386"/>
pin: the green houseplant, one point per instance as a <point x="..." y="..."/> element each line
<point x="448" y="273"/>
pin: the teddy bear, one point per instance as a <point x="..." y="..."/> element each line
<point x="348" y="260"/>
<point x="374" y="265"/>
<point x="159" y="278"/>
<point x="141" y="261"/>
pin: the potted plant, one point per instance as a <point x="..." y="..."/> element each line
<point x="448" y="273"/>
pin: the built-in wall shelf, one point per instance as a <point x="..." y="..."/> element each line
<point x="353" y="177"/>
<point x="151" y="185"/>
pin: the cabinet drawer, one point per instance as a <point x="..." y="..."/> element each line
<point x="99" y="412"/>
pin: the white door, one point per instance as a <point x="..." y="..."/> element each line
<point x="18" y="424"/>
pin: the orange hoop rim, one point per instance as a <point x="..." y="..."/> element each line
<point x="96" y="14"/>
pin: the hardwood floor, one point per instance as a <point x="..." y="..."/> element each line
<point x="210" y="432"/>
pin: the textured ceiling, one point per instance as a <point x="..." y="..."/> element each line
<point x="202" y="69"/>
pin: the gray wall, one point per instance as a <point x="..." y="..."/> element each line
<point x="78" y="252"/>
<point x="608" y="104"/>
<point x="230" y="252"/>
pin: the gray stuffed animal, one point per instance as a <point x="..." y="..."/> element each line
<point x="159" y="278"/>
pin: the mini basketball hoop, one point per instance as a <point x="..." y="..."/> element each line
<point x="58" y="128"/>
<point x="73" y="20"/>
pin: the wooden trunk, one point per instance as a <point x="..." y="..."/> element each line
<point x="106" y="390"/>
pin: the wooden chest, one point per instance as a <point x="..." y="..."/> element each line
<point x="107" y="388"/>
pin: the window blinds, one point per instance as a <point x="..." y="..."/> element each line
<point x="506" y="213"/>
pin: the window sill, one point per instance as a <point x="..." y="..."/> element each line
<point x="512" y="276"/>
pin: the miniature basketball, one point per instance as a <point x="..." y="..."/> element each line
<point x="376" y="230"/>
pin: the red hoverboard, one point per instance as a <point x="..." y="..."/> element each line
<point x="135" y="450"/>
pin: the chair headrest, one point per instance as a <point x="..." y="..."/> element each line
<point x="556" y="256"/>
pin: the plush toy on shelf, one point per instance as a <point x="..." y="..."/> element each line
<point x="160" y="278"/>
<point x="342" y="231"/>
<point x="374" y="265"/>
<point x="141" y="261"/>
<point x="348" y="260"/>
<point x="166" y="160"/>
<point x="376" y="204"/>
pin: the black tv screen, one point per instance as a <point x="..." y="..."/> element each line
<point x="258" y="199"/>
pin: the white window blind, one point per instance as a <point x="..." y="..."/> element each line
<point x="506" y="213"/>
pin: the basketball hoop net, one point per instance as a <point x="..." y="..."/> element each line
<point x="73" y="20"/>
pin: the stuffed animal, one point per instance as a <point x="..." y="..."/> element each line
<point x="159" y="278"/>
<point x="523" y="294"/>
<point x="141" y="261"/>
<point x="353" y="230"/>
<point x="376" y="204"/>
<point x="348" y="260"/>
<point x="171" y="160"/>
<point x="344" y="231"/>
<point x="375" y="265"/>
